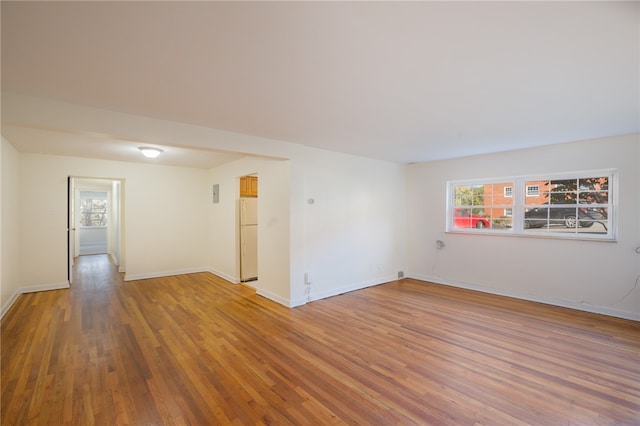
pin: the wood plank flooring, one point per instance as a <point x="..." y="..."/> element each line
<point x="196" y="350"/>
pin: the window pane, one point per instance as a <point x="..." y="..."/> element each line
<point x="463" y="195"/>
<point x="594" y="197"/>
<point x="563" y="185"/>
<point x="594" y="184"/>
<point x="577" y="219"/>
<point x="536" y="192"/>
<point x="593" y="190"/>
<point x="503" y="222"/>
<point x="482" y="206"/>
<point x="470" y="218"/>
<point x="93" y="212"/>
<point x="563" y="191"/>
<point x="498" y="205"/>
<point x="469" y="195"/>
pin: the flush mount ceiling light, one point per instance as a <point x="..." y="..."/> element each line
<point x="150" y="152"/>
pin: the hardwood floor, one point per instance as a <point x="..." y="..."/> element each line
<point x="197" y="350"/>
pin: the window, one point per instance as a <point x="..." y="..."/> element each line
<point x="576" y="205"/>
<point x="481" y="206"/>
<point x="93" y="209"/>
<point x="533" y="190"/>
<point x="569" y="205"/>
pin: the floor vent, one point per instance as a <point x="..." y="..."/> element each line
<point x="400" y="274"/>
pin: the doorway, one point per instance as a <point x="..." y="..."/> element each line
<point x="94" y="218"/>
<point x="248" y="220"/>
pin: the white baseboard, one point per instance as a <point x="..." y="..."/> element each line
<point x="340" y="290"/>
<point x="9" y="303"/>
<point x="31" y="289"/>
<point x="298" y="302"/>
<point x="274" y="297"/>
<point x="233" y="280"/>
<point x="292" y="303"/>
<point x="350" y="287"/>
<point x="263" y="293"/>
<point x="580" y="306"/>
<point x="160" y="274"/>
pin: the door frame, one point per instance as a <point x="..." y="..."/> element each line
<point x="72" y="188"/>
<point x="70" y="227"/>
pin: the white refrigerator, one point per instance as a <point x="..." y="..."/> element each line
<point x="248" y="239"/>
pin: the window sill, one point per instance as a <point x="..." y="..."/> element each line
<point x="546" y="235"/>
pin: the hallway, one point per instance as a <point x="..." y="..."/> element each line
<point x="94" y="272"/>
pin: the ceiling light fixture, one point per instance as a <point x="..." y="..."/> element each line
<point x="150" y="152"/>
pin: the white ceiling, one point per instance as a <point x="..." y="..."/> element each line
<point x="95" y="145"/>
<point x="400" y="81"/>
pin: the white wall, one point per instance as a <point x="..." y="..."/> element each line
<point x="350" y="225"/>
<point x="352" y="236"/>
<point x="164" y="220"/>
<point x="589" y="275"/>
<point x="164" y="216"/>
<point x="10" y="235"/>
<point x="273" y="224"/>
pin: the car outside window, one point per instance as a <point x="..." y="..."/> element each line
<point x="481" y="206"/>
<point x="577" y="205"/>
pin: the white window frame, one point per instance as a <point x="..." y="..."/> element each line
<point x="520" y="204"/>
<point x="510" y="192"/>
<point x="451" y="207"/>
